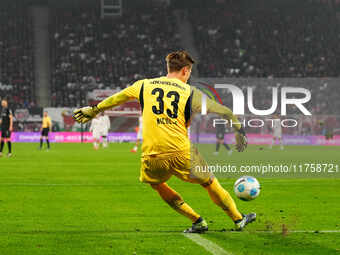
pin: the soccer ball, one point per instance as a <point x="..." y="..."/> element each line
<point x="247" y="188"/>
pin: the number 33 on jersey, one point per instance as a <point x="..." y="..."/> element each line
<point x="166" y="109"/>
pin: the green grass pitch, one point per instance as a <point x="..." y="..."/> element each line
<point x="74" y="200"/>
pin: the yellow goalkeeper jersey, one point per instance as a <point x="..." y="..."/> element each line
<point x="167" y="105"/>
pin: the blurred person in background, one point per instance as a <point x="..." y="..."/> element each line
<point x="139" y="134"/>
<point x="6" y="127"/>
<point x="45" y="128"/>
<point x="106" y="124"/>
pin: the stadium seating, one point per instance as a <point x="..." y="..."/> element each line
<point x="16" y="55"/>
<point x="267" y="42"/>
<point x="89" y="52"/>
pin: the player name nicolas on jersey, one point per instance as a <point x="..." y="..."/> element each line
<point x="161" y="121"/>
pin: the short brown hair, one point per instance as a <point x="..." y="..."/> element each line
<point x="178" y="59"/>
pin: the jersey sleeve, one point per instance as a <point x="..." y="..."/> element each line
<point x="213" y="107"/>
<point x="131" y="92"/>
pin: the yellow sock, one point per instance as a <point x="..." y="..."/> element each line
<point x="187" y="211"/>
<point x="222" y="198"/>
<point x="176" y="201"/>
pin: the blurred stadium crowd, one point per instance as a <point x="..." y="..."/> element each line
<point x="88" y="52"/>
<point x="269" y="42"/>
<point x="16" y="55"/>
<point x="93" y="53"/>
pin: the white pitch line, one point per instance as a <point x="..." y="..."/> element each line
<point x="207" y="245"/>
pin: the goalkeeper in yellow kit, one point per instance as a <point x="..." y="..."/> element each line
<point x="168" y="104"/>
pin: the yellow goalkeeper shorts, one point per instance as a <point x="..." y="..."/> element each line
<point x="189" y="167"/>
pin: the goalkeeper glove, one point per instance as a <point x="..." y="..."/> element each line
<point x="241" y="140"/>
<point x="83" y="115"/>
